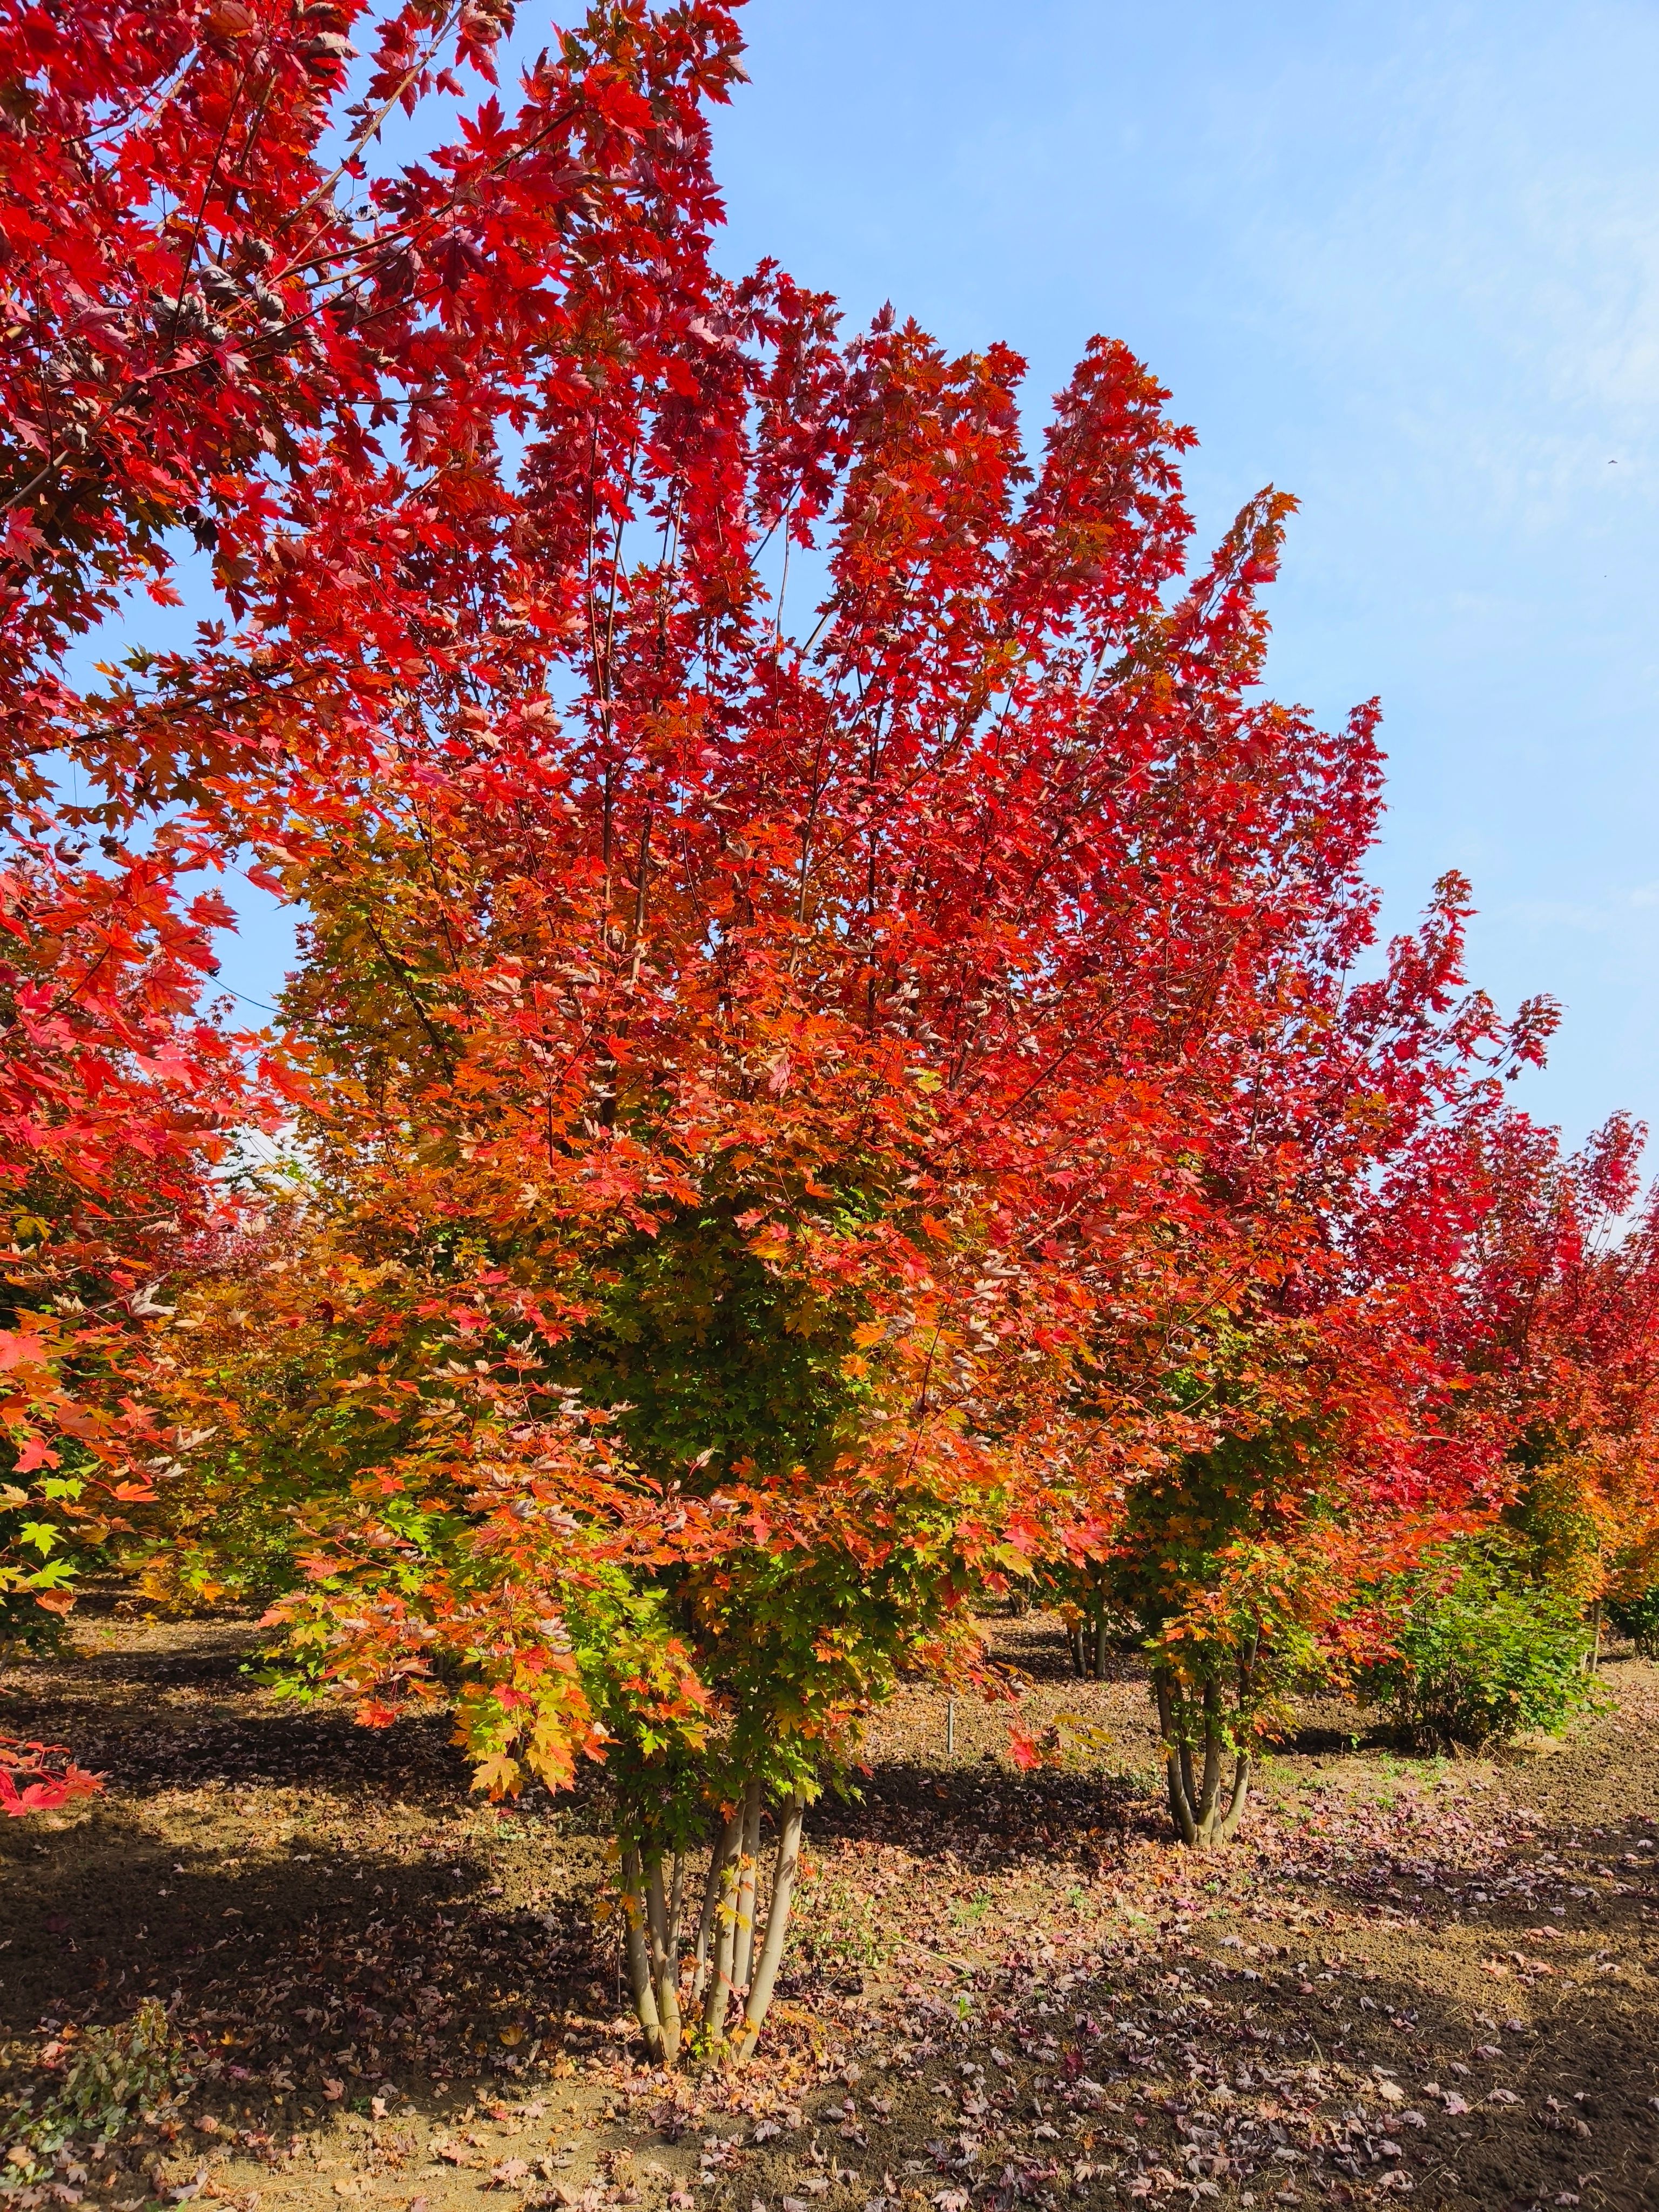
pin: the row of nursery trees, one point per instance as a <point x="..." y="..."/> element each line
<point x="840" y="1066"/>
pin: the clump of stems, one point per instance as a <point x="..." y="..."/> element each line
<point x="731" y="1953"/>
<point x="1200" y="1736"/>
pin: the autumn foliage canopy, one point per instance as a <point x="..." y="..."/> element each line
<point x="841" y="1067"/>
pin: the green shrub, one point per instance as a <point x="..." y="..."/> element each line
<point x="1483" y="1653"/>
<point x="1637" y="1617"/>
<point x="114" y="2078"/>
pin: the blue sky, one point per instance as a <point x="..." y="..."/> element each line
<point x="1402" y="260"/>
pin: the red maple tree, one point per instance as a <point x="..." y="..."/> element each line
<point x="1561" y="1342"/>
<point x="809" y="1127"/>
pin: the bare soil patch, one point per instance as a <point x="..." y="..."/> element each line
<point x="1412" y="1977"/>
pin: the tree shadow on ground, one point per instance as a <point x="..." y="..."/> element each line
<point x="315" y="1901"/>
<point x="371" y="1959"/>
<point x="174" y="1715"/>
<point x="1069" y="1818"/>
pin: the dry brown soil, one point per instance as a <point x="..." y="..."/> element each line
<point x="1414" y="1977"/>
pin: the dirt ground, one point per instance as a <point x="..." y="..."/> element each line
<point x="1412" y="1977"/>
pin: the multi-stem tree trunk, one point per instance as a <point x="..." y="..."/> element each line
<point x="1198" y="1743"/>
<point x="725" y="1959"/>
<point x="1091" y="1643"/>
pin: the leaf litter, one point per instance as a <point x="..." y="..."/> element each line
<point x="1411" y="1978"/>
